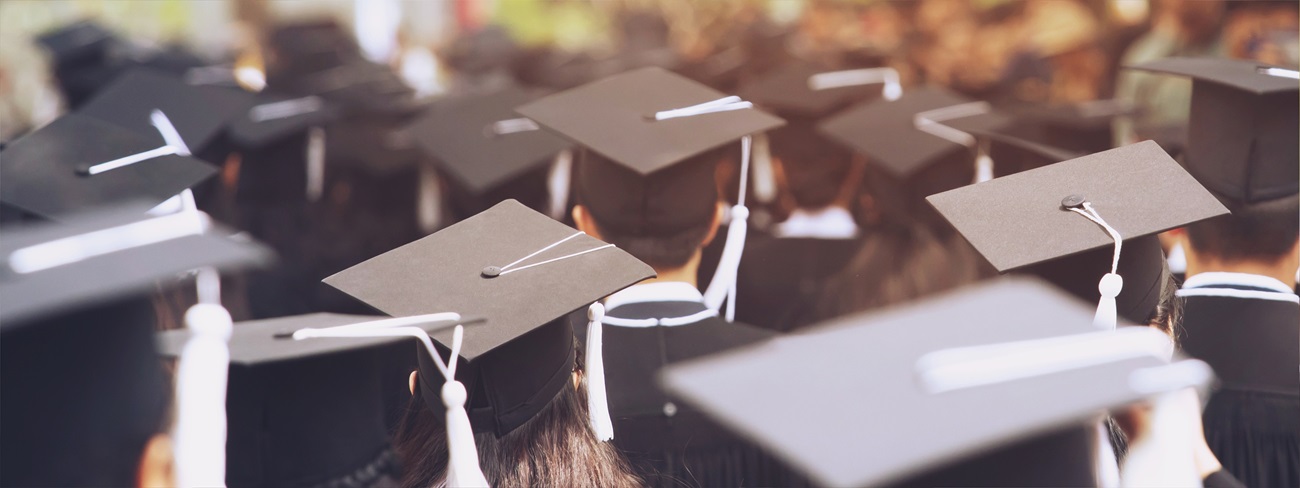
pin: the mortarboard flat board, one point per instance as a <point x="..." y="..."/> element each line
<point x="1012" y="154"/>
<point x="886" y="131"/>
<point x="46" y="171"/>
<point x="790" y="91"/>
<point x="304" y="412"/>
<point x="1022" y="220"/>
<point x="273" y="118"/>
<point x="199" y="113"/>
<point x="1084" y="126"/>
<point x="522" y="272"/>
<point x="480" y="140"/>
<point x="873" y="386"/>
<point x="76" y="42"/>
<point x="1242" y="134"/>
<point x="86" y="259"/>
<point x="615" y="117"/>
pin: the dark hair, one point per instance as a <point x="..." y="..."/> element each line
<point x="1263" y="231"/>
<point x="660" y="252"/>
<point x="901" y="264"/>
<point x="815" y="168"/>
<point x="555" y="448"/>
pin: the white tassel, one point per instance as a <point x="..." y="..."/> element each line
<point x="201" y="376"/>
<point x="428" y="210"/>
<point x="557" y="184"/>
<point x="723" y="285"/>
<point x="1107" y="315"/>
<point x="315" y="163"/>
<point x="764" y="174"/>
<point x="462" y="454"/>
<point x="597" y="401"/>
<point x="983" y="166"/>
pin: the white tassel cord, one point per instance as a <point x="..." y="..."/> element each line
<point x="764" y="174"/>
<point x="723" y="285"/>
<point x="173" y="144"/>
<point x="509" y="268"/>
<point x="1111" y="283"/>
<point x="597" y="400"/>
<point x="893" y="89"/>
<point x="558" y="183"/>
<point x="724" y="104"/>
<point x="201" y="376"/>
<point x="428" y="210"/>
<point x="315" y="153"/>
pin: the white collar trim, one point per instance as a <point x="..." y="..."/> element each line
<point x="829" y="223"/>
<point x="664" y="291"/>
<point x="1213" y="278"/>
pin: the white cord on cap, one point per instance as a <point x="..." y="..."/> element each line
<point x="930" y="121"/>
<point x="597" y="400"/>
<point x="511" y="126"/>
<point x="81" y="247"/>
<point x="315" y="153"/>
<point x="724" y="104"/>
<point x="855" y="77"/>
<point x="558" y="180"/>
<point x="201" y="376"/>
<point x="507" y="269"/>
<point x="428" y="203"/>
<point x="764" y="174"/>
<point x="285" y="108"/>
<point x="1111" y="283"/>
<point x="1281" y="73"/>
<point x="173" y="145"/>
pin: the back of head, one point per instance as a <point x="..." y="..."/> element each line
<point x="83" y="393"/>
<point x="1260" y="232"/>
<point x="661" y="219"/>
<point x="815" y="169"/>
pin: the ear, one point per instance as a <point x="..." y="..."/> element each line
<point x="718" y="214"/>
<point x="157" y="466"/>
<point x="411" y="381"/>
<point x="583" y="220"/>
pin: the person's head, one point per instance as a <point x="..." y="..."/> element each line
<point x="812" y="171"/>
<point x="663" y="219"/>
<point x="556" y="447"/>
<point x="1262" y="236"/>
<point x="85" y="400"/>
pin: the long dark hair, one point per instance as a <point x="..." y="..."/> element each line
<point x="555" y="448"/>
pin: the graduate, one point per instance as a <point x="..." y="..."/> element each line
<point x="999" y="384"/>
<point x="86" y="400"/>
<point x="782" y="277"/>
<point x="536" y="408"/>
<point x="1240" y="311"/>
<point x="644" y="181"/>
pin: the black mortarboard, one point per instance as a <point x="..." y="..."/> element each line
<point x="46" y="172"/>
<point x="1012" y="153"/>
<point x="81" y="381"/>
<point x="79" y="42"/>
<point x="804" y="89"/>
<point x="521" y="271"/>
<point x="50" y="266"/>
<point x="1084" y="127"/>
<point x="635" y="184"/>
<point x="303" y="412"/>
<point x="1023" y="221"/>
<point x="271" y="118"/>
<point x="886" y="131"/>
<point x="1242" y="134"/>
<point x="297" y="49"/>
<point x="199" y="113"/>
<point x="861" y="385"/>
<point x="481" y="142"/>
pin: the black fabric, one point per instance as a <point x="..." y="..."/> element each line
<point x="781" y="280"/>
<point x="1222" y="479"/>
<point x="668" y="443"/>
<point x="1252" y="423"/>
<point x="1244" y="145"/>
<point x="1142" y="265"/>
<point x="663" y="203"/>
<point x="82" y="391"/>
<point x="1062" y="457"/>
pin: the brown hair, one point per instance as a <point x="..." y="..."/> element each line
<point x="555" y="448"/>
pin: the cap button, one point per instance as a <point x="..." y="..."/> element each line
<point x="491" y="271"/>
<point x="1073" y="201"/>
<point x="670" y="409"/>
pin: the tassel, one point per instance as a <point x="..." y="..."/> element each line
<point x="462" y="454"/>
<point x="315" y="163"/>
<point x="764" y="175"/>
<point x="557" y="184"/>
<point x="597" y="402"/>
<point x="428" y="211"/>
<point x="723" y="285"/>
<point x="202" y="373"/>
<point x="983" y="166"/>
<point x="1107" y="315"/>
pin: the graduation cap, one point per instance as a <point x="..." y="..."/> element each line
<point x="199" y="113"/>
<point x="803" y="89"/>
<point x="76" y="314"/>
<point x="648" y="123"/>
<point x="78" y="162"/>
<point x="275" y="117"/>
<point x="1084" y="127"/>
<point x="982" y="382"/>
<point x="518" y="269"/>
<point x="482" y="143"/>
<point x="1015" y="153"/>
<point x="1065" y="222"/>
<point x="1242" y="134"/>
<point x="78" y="42"/>
<point x="924" y="142"/>
<point x="307" y="412"/>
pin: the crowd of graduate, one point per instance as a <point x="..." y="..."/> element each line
<point x="931" y="243"/>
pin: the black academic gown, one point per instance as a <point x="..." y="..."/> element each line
<point x="1249" y="332"/>
<point x="781" y="279"/>
<point x="669" y="443"/>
